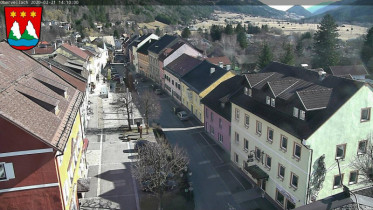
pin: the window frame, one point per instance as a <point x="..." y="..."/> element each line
<point x="266" y="162"/>
<point x="236" y="158"/>
<point x="344" y="151"/>
<point x="273" y="134"/>
<point x="281" y="140"/>
<point x="261" y="127"/>
<point x="361" y="114"/>
<point x="236" y="137"/>
<point x="276" y="199"/>
<point x="247" y="125"/>
<point x="220" y="123"/>
<point x="291" y="180"/>
<point x="5" y="175"/>
<point x="260" y="153"/>
<point x="302" y="114"/>
<point x="212" y="117"/>
<point x="341" y="182"/>
<point x="236" y="114"/>
<point x="273" y="102"/>
<point x="294" y="149"/>
<point x="268" y="100"/>
<point x="245" y="142"/>
<point x="278" y="171"/>
<point x="297" y="111"/>
<point x="358" y="147"/>
<point x="357" y="177"/>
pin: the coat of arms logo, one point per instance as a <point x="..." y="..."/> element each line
<point x="23" y="26"/>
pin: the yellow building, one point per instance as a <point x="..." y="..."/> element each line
<point x="72" y="165"/>
<point x="198" y="83"/>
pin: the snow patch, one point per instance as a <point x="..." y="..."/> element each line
<point x="15" y="29"/>
<point x="31" y="30"/>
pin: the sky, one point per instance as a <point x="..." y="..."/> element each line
<point x="286" y="4"/>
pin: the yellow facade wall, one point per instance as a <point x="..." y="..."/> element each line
<point x="69" y="177"/>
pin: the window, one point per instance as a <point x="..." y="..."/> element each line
<point x="365" y="114"/>
<point x="281" y="171"/>
<point x="236" y="137"/>
<point x="270" y="134"/>
<point x="212" y="116"/>
<point x="258" y="127"/>
<point x="284" y="142"/>
<point x="246" y="144"/>
<point x="273" y="102"/>
<point x="353" y="177"/>
<point x="340" y="151"/>
<point x="207" y="113"/>
<point x="6" y="171"/>
<point x="294" y="180"/>
<point x="295" y="112"/>
<point x="247" y="120"/>
<point x="237" y="115"/>
<point x="246" y="91"/>
<point x="236" y="158"/>
<point x="211" y="130"/>
<point x="220" y="123"/>
<point x="250" y="92"/>
<point x="297" y="150"/>
<point x="280" y="197"/>
<point x="258" y="153"/>
<point x="302" y="115"/>
<point x="268" y="100"/>
<point x="362" y="148"/>
<point x="268" y="161"/>
<point x="220" y="138"/>
<point x="290" y="205"/>
<point x="337" y="181"/>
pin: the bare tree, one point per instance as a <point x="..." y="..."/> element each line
<point x="160" y="164"/>
<point x="364" y="162"/>
<point x="148" y="105"/>
<point x="126" y="102"/>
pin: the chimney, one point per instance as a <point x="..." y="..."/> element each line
<point x="322" y="74"/>
<point x="33" y="50"/>
<point x="55" y="45"/>
<point x="50" y="66"/>
<point x="220" y="64"/>
<point x="212" y="70"/>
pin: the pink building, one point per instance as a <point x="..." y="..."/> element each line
<point x="218" y="111"/>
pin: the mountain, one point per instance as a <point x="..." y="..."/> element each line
<point x="299" y="10"/>
<point x="249" y="7"/>
<point x="14" y="31"/>
<point x="359" y="11"/>
<point x="328" y="6"/>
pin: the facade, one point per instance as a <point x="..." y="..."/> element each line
<point x="218" y="111"/>
<point x="154" y="53"/>
<point x="138" y="43"/>
<point x="143" y="58"/>
<point x="281" y="121"/>
<point x="196" y="84"/>
<point x="40" y="113"/>
<point x="170" y="54"/>
<point x="174" y="71"/>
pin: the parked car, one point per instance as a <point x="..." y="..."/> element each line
<point x="158" y="91"/>
<point x="183" y="115"/>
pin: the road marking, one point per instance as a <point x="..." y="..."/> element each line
<point x="181" y="129"/>
<point x="213" y="176"/>
<point x="223" y="193"/>
<point x="204" y="162"/>
<point x="99" y="168"/>
<point x="217" y="155"/>
<point x="134" y="182"/>
<point x="236" y="179"/>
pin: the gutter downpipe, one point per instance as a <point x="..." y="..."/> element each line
<point x="59" y="180"/>
<point x="309" y="172"/>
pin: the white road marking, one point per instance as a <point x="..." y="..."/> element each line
<point x="223" y="193"/>
<point x="236" y="179"/>
<point x="134" y="182"/>
<point x="204" y="162"/>
<point x="213" y="176"/>
<point x="181" y="129"/>
<point x="99" y="168"/>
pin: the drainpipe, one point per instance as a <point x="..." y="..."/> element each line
<point x="59" y="179"/>
<point x="309" y="171"/>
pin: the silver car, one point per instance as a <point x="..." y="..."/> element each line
<point x="183" y="115"/>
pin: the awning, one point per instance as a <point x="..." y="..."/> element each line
<point x="85" y="144"/>
<point x="83" y="184"/>
<point x="256" y="172"/>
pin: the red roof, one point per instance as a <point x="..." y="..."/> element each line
<point x="44" y="42"/>
<point x="40" y="51"/>
<point x="216" y="60"/>
<point x="76" y="50"/>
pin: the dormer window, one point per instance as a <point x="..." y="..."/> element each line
<point x="295" y="112"/>
<point x="273" y="102"/>
<point x="247" y="91"/>
<point x="302" y="115"/>
<point x="268" y="100"/>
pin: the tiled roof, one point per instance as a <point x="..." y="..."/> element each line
<point x="28" y="92"/>
<point x="168" y="51"/>
<point x="216" y="60"/>
<point x="82" y="76"/>
<point x="200" y="77"/>
<point x="348" y="70"/>
<point x="222" y="94"/>
<point x="40" y="51"/>
<point x="320" y="96"/>
<point x="162" y="43"/>
<point x="75" y="50"/>
<point x="182" y="65"/>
